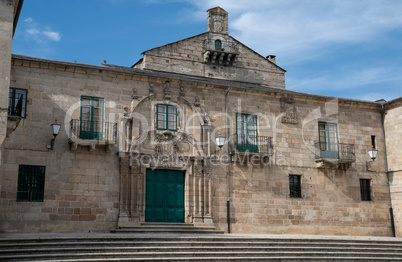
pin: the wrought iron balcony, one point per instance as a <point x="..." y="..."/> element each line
<point x="92" y="133"/>
<point x="343" y="152"/>
<point x="105" y="131"/>
<point x="254" y="144"/>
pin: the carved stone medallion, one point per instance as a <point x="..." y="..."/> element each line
<point x="288" y="109"/>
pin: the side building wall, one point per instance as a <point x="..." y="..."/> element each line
<point x="393" y="127"/>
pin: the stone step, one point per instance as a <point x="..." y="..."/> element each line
<point x="153" y="224"/>
<point x="241" y="259"/>
<point x="153" y="247"/>
<point x="167" y="231"/>
<point x="89" y="246"/>
<point x="168" y="228"/>
<point x="185" y="241"/>
<point x="113" y="238"/>
<point x="233" y="254"/>
<point x="138" y="242"/>
<point x="203" y="248"/>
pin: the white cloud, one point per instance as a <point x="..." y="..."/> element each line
<point x="33" y="31"/>
<point x="313" y="33"/>
<point x="39" y="33"/>
<point x="28" y="20"/>
<point x="370" y="83"/>
<point x="296" y="30"/>
<point x="54" y="36"/>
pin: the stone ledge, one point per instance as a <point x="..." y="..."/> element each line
<point x="333" y="163"/>
<point x="90" y="143"/>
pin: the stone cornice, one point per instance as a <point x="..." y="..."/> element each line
<point x="139" y="74"/>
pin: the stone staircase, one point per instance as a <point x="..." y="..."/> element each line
<point x="163" y="228"/>
<point x="185" y="247"/>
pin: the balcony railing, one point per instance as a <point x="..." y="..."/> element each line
<point x="227" y="46"/>
<point x="254" y="144"/>
<point x="343" y="152"/>
<point x="94" y="130"/>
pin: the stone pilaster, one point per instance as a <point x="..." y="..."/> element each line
<point x="7" y="9"/>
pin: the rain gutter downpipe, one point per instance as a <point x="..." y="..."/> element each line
<point x="391" y="212"/>
<point x="227" y="161"/>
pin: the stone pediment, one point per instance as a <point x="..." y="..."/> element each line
<point x="214" y="55"/>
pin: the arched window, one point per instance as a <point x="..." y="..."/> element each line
<point x="218" y="45"/>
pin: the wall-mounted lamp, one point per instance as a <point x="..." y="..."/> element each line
<point x="55" y="129"/>
<point x="373" y="155"/>
<point x="220" y="141"/>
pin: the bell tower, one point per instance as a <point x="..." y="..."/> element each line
<point x="217" y="20"/>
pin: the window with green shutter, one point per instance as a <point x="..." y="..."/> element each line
<point x="294" y="186"/>
<point x="166" y="117"/>
<point x="247" y="134"/>
<point x="91" y="120"/>
<point x="328" y="144"/>
<point x="31" y="183"/>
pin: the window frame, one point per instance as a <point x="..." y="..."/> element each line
<point x="91" y="133"/>
<point x="247" y="145"/>
<point x="327" y="147"/>
<point x="26" y="188"/>
<point x="365" y="189"/>
<point x="295" y="190"/>
<point x="166" y="116"/>
<point x="218" y="43"/>
<point x="11" y="98"/>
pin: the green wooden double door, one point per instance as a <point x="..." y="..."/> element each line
<point x="164" y="196"/>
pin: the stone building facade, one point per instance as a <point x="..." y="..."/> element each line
<point x="139" y="145"/>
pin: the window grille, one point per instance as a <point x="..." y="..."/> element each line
<point x="17" y="101"/>
<point x="294" y="186"/>
<point x="31" y="183"/>
<point x="365" y="191"/>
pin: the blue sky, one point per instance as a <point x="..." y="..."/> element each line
<point x="343" y="48"/>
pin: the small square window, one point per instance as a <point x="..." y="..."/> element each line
<point x="365" y="190"/>
<point x="294" y="186"/>
<point x="17" y="102"/>
<point x="31" y="183"/>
